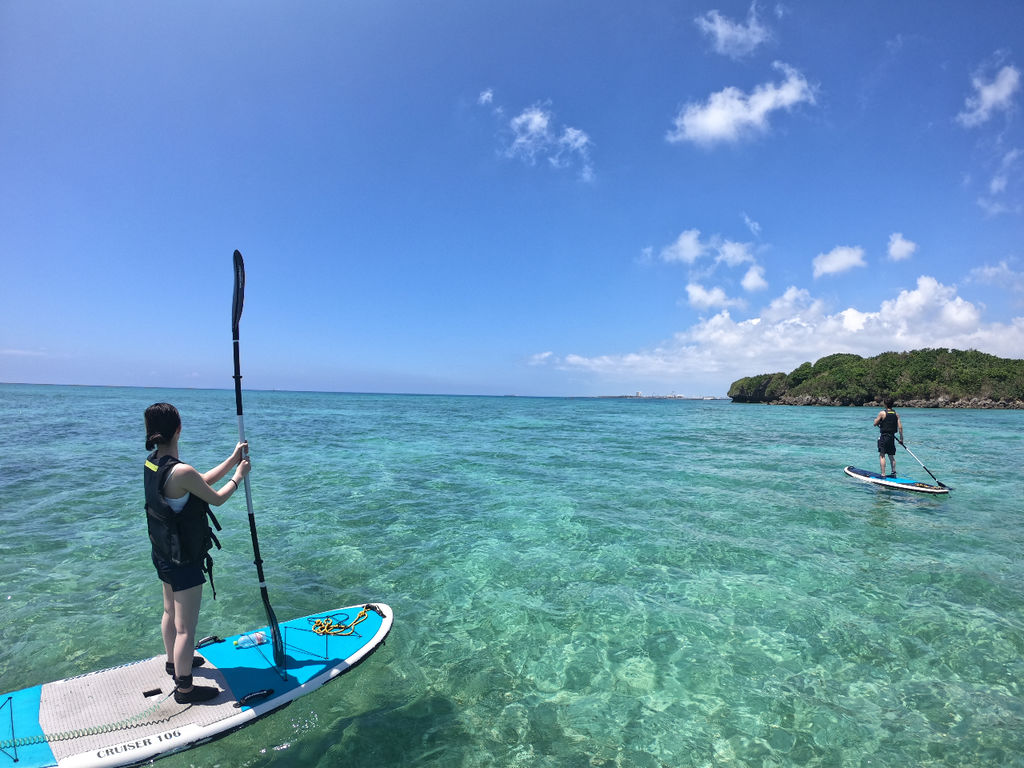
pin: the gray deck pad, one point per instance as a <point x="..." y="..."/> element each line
<point x="128" y="716"/>
<point x="80" y="714"/>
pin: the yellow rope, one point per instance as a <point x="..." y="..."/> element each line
<point x="329" y="627"/>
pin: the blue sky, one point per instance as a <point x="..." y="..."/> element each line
<point x="536" y="198"/>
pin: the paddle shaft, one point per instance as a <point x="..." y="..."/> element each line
<point x="941" y="484"/>
<point x="239" y="299"/>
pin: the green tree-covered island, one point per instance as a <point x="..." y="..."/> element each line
<point x="922" y="378"/>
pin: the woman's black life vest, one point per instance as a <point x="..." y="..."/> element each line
<point x="180" y="538"/>
<point x="889" y="425"/>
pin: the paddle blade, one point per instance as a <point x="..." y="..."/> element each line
<point x="239" y="299"/>
<point x="275" y="635"/>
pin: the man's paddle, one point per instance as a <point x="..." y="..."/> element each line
<point x="236" y="315"/>
<point x="941" y="484"/>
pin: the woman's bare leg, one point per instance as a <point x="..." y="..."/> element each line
<point x="186" y="618"/>
<point x="167" y="622"/>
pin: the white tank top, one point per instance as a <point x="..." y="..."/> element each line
<point x="176" y="504"/>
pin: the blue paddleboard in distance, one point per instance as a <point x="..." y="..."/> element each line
<point x="127" y="715"/>
<point x="888" y="481"/>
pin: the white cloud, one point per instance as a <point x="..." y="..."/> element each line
<point x="754" y="279"/>
<point x="900" y="248"/>
<point x="540" y="358"/>
<point x="705" y="298"/>
<point x="730" y="114"/>
<point x="573" y="146"/>
<point x="839" y="259"/>
<point x="686" y="249"/>
<point x="689" y="249"/>
<point x="485" y="97"/>
<point x="796" y="328"/>
<point x="574" y="140"/>
<point x="930" y="302"/>
<point x="792" y="305"/>
<point x="534" y="135"/>
<point x="733" y="254"/>
<point x="531" y="133"/>
<point x="731" y="38"/>
<point x="990" y="97"/>
<point x="853" y="320"/>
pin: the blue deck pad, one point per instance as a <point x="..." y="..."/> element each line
<point x="308" y="654"/>
<point x="19" y="719"/>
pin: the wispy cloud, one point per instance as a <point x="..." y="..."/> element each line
<point x="732" y="38"/>
<point x="730" y="114"/>
<point x="1001" y="274"/>
<point x="990" y="96"/>
<point x="1002" y="176"/>
<point x="531" y="134"/>
<point x="753" y="226"/>
<point x="535" y="135"/>
<point x="839" y="259"/>
<point x="995" y="203"/>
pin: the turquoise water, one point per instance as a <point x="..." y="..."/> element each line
<point x="575" y="582"/>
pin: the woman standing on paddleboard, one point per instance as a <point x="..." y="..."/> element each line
<point x="178" y="500"/>
<point x="889" y="423"/>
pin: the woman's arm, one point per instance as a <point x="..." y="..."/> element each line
<point x="187" y="478"/>
<point x="215" y="474"/>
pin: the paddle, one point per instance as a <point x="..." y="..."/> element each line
<point x="236" y="315"/>
<point x="941" y="485"/>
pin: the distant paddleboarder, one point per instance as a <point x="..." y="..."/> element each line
<point x="178" y="500"/>
<point x="889" y="423"/>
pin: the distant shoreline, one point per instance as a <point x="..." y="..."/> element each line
<point x="661" y="397"/>
<point x="978" y="403"/>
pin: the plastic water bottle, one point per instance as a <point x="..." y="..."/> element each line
<point x="253" y="638"/>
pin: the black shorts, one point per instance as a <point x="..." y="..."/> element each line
<point x="180" y="577"/>
<point x="887" y="444"/>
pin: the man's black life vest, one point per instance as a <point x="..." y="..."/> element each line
<point x="889" y="425"/>
<point x="180" y="538"/>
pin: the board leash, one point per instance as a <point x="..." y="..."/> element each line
<point x="81" y="733"/>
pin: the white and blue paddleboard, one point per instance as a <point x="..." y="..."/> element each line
<point x="891" y="481"/>
<point x="127" y="715"/>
